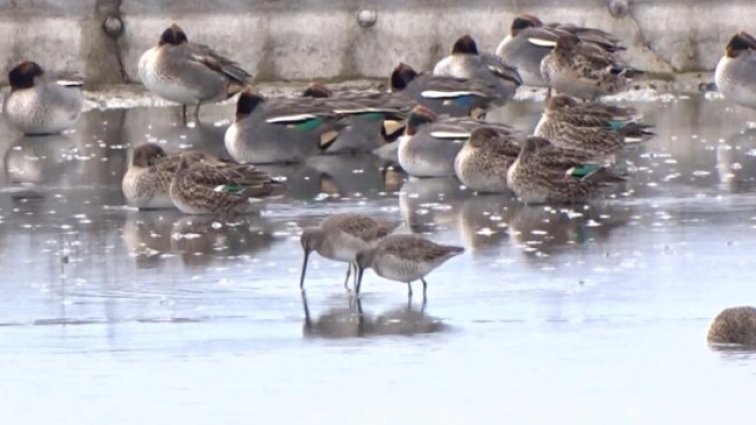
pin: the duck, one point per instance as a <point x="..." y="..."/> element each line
<point x="148" y="178"/>
<point x="529" y="40"/>
<point x="189" y="73"/>
<point x="455" y="97"/>
<point x="543" y="173"/>
<point x="735" y="74"/>
<point x="584" y="70"/>
<point x="372" y="119"/>
<point x="482" y="163"/>
<point x="146" y="183"/>
<point x="280" y="130"/>
<point x="591" y="114"/>
<point x="430" y="145"/>
<point x="39" y="103"/>
<point x="404" y="258"/>
<point x="316" y="89"/>
<point x="592" y="128"/>
<point x="340" y="237"/>
<point x="465" y="61"/>
<point x="201" y="187"/>
<point x="734" y="326"/>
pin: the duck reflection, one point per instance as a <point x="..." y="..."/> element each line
<point x="350" y="321"/>
<point x="143" y="125"/>
<point x="425" y="204"/>
<point x="540" y="230"/>
<point x="736" y="162"/>
<point x="483" y="219"/>
<point x="147" y="235"/>
<point x="197" y="240"/>
<point x="39" y="159"/>
<point x="351" y="174"/>
<point x="203" y="239"/>
<point x="520" y="115"/>
<point x="336" y="175"/>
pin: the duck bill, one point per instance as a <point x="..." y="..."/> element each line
<point x="304" y="270"/>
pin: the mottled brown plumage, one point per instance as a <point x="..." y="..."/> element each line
<point x="147" y="181"/>
<point x="593" y="114"/>
<point x="593" y="141"/>
<point x="341" y="236"/>
<point x="206" y="188"/>
<point x="404" y="258"/>
<point x="734" y="325"/>
<point x="545" y="174"/>
<point x="483" y="162"/>
<point x="530" y="40"/>
<point x="584" y="70"/>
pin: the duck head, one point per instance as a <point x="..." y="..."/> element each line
<point x="147" y="155"/>
<point x="22" y="75"/>
<point x="173" y="35"/>
<point x="465" y="45"/>
<point x="523" y="22"/>
<point x="740" y="42"/>
<point x="248" y="101"/>
<point x="560" y="102"/>
<point x="401" y="76"/>
<point x="483" y="137"/>
<point x="419" y="115"/>
<point x="318" y="90"/>
<point x="533" y="143"/>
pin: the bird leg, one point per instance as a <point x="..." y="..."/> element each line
<point x="308" y="321"/>
<point x="196" y="111"/>
<point x="409" y="289"/>
<point x="346" y="281"/>
<point x="425" y="287"/>
<point x="183" y="113"/>
<point x="358" y="271"/>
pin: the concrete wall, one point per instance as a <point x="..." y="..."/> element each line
<point x="295" y="40"/>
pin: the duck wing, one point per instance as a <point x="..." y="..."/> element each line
<point x="220" y="64"/>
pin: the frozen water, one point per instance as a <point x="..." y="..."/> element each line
<point x="591" y="314"/>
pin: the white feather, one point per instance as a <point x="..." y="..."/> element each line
<point x="69" y="83"/>
<point x="541" y="42"/>
<point x="436" y="94"/>
<point x="361" y="110"/>
<point x="450" y="135"/>
<point x="290" y="118"/>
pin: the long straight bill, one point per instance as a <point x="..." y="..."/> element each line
<point x="304" y="270"/>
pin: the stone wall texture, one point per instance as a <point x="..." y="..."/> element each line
<point x="300" y="40"/>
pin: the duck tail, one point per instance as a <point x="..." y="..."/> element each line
<point x="634" y="132"/>
<point x="627" y="71"/>
<point x="602" y="176"/>
<point x="277" y="188"/>
<point x="330" y="131"/>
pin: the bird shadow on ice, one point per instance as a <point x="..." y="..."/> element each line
<point x="348" y="319"/>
